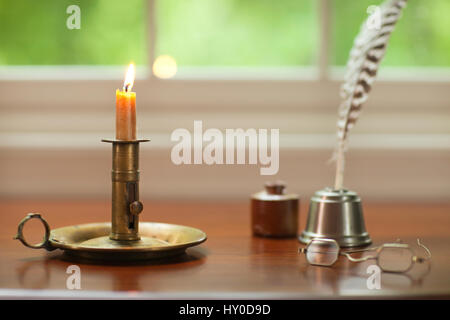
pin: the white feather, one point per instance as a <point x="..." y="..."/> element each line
<point x="368" y="50"/>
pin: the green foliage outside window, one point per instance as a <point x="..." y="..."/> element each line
<point x="250" y="33"/>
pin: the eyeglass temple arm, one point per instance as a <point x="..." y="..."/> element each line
<point x="421" y="259"/>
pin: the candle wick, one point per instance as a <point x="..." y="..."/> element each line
<point x="126" y="87"/>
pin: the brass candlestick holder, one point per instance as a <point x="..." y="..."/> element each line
<point x="125" y="238"/>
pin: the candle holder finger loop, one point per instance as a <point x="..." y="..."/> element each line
<point x="44" y="243"/>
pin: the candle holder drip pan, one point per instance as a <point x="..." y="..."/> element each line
<point x="92" y="241"/>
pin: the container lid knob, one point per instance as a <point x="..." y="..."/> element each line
<point x="276" y="187"/>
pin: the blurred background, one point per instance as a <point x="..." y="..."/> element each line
<point x="204" y="33"/>
<point x="232" y="64"/>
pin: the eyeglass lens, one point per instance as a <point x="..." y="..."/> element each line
<point x="322" y="253"/>
<point x="395" y="259"/>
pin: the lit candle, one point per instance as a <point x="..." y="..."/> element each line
<point x="126" y="108"/>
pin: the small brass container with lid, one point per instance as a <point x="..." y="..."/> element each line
<point x="274" y="213"/>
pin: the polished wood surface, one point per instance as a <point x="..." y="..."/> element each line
<point x="230" y="264"/>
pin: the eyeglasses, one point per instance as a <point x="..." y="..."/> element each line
<point x="390" y="257"/>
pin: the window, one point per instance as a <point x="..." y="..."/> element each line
<point x="421" y="38"/>
<point x="237" y="32"/>
<point x="220" y="33"/>
<point x="34" y="32"/>
<point x="240" y="64"/>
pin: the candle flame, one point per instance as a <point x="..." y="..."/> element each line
<point x="129" y="78"/>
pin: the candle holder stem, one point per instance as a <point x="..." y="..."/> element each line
<point x="126" y="206"/>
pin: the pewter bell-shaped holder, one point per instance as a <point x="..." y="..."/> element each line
<point x="338" y="215"/>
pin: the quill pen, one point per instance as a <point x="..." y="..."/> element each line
<point x="362" y="66"/>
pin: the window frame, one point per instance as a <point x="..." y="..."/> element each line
<point x="208" y="89"/>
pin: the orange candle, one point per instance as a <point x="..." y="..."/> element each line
<point x="126" y="108"/>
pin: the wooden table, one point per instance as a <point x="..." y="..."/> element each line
<point x="230" y="264"/>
